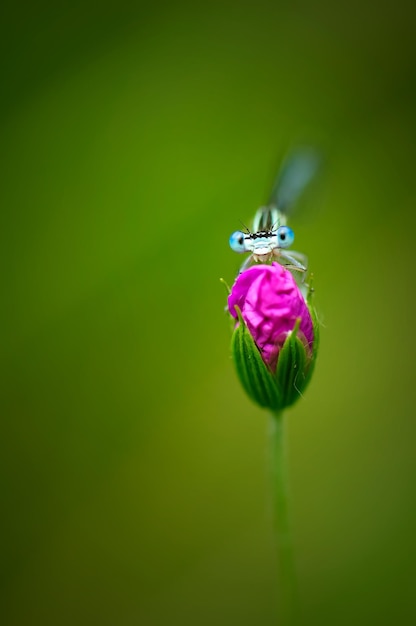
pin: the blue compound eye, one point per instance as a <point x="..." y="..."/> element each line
<point x="285" y="236"/>
<point x="237" y="242"/>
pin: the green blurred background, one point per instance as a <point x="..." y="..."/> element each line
<point x="133" y="468"/>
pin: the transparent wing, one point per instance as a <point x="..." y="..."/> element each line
<point x="297" y="171"/>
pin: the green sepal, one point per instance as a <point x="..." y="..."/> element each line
<point x="315" y="322"/>
<point x="316" y="330"/>
<point x="254" y="375"/>
<point x="292" y="369"/>
<point x="316" y="335"/>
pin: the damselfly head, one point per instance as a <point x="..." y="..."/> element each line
<point x="262" y="242"/>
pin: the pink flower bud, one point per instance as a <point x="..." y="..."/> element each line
<point x="271" y="303"/>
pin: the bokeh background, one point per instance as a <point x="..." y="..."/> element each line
<point x="134" y="138"/>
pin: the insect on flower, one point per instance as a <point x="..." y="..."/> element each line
<point x="270" y="236"/>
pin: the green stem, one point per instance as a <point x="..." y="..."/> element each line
<point x="285" y="555"/>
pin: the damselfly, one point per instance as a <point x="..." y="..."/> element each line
<point x="270" y="236"/>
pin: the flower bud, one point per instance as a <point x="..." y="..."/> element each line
<point x="275" y="339"/>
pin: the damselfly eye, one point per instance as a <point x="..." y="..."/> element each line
<point x="285" y="236"/>
<point x="237" y="242"/>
